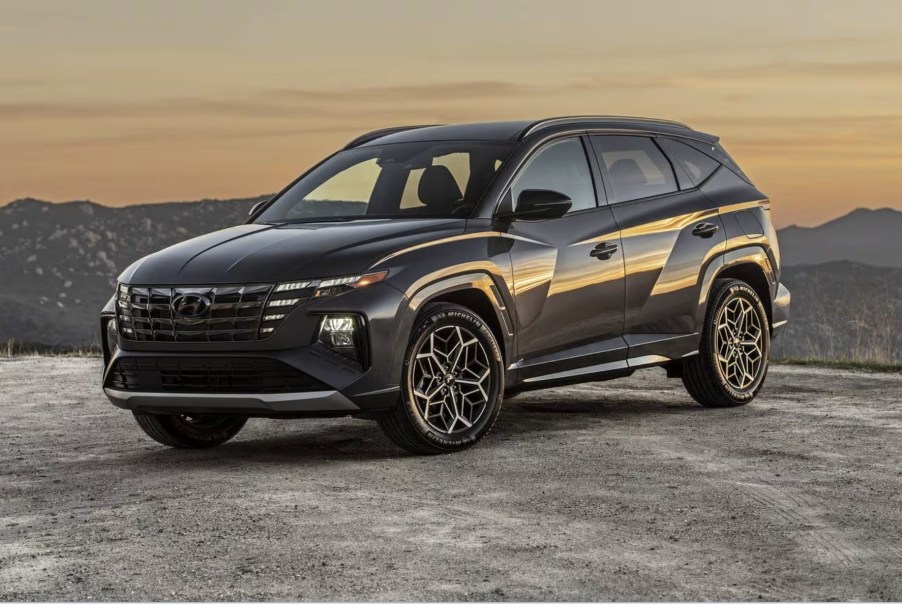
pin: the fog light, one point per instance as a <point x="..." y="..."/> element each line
<point x="112" y="336"/>
<point x="344" y="335"/>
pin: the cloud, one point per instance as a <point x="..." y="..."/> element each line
<point x="804" y="121"/>
<point x="887" y="72"/>
<point x="281" y="103"/>
<point x="11" y="83"/>
<point x="316" y="103"/>
<point x="450" y="90"/>
<point x="801" y="69"/>
<point x="172" y="136"/>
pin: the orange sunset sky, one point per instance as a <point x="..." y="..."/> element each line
<point x="128" y="102"/>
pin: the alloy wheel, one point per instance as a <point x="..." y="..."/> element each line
<point x="739" y="342"/>
<point x="451" y="379"/>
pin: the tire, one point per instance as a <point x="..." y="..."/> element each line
<point x="429" y="421"/>
<point x="187" y="431"/>
<point x="724" y="373"/>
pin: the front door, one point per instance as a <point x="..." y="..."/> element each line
<point x="568" y="272"/>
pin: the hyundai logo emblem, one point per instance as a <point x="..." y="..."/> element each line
<point x="190" y="306"/>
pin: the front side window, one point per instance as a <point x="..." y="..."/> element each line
<point x="403" y="180"/>
<point x="634" y="167"/>
<point x="560" y="166"/>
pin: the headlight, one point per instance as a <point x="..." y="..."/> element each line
<point x="337" y="285"/>
<point x="286" y="296"/>
<point x="344" y="334"/>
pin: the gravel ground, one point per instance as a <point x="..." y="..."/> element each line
<point x="624" y="490"/>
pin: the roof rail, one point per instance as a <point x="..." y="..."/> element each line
<point x="551" y="121"/>
<point x="371" y="136"/>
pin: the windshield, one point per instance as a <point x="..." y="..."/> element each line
<point x="406" y="180"/>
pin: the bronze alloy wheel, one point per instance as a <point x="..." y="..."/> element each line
<point x="450" y="375"/>
<point x="453" y="383"/>
<point x="739" y="343"/>
<point x="731" y="364"/>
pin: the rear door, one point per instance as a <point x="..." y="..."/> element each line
<point x="669" y="235"/>
<point x="568" y="271"/>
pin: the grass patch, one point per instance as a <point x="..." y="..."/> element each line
<point x="15" y="348"/>
<point x="842" y="364"/>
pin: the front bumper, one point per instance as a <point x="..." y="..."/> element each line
<point x="282" y="403"/>
<point x="338" y="387"/>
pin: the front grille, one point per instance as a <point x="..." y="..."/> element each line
<point x="209" y="375"/>
<point x="222" y="313"/>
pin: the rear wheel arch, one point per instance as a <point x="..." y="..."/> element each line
<point x="750" y="265"/>
<point x="755" y="276"/>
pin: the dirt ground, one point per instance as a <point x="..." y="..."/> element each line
<point x="624" y="490"/>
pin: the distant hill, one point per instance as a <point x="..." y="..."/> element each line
<point x="866" y="236"/>
<point x="59" y="263"/>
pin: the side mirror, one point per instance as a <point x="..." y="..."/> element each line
<point x="256" y="207"/>
<point x="539" y="204"/>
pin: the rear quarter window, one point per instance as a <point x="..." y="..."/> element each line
<point x="720" y="154"/>
<point x="693" y="166"/>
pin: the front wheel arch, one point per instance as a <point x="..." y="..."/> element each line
<point x="471" y="287"/>
<point x="477" y="301"/>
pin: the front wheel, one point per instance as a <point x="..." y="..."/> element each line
<point x="734" y="350"/>
<point x="189" y="431"/>
<point x="452" y="386"/>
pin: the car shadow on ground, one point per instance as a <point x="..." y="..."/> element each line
<point x="350" y="440"/>
<point x="343" y="439"/>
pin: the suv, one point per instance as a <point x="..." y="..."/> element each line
<point x="421" y="274"/>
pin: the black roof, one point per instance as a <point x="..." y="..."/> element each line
<point x="518" y="130"/>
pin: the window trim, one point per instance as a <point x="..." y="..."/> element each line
<point x="495" y="194"/>
<point x="605" y="176"/>
<point x="594" y="175"/>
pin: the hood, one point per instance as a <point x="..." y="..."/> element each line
<point x="262" y="253"/>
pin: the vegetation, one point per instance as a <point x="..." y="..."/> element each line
<point x="843" y="312"/>
<point x="24" y="349"/>
<point x="833" y="364"/>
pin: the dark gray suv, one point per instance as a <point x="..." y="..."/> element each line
<point x="421" y="274"/>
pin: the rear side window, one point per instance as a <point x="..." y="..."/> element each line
<point x="634" y="167"/>
<point x="695" y="165"/>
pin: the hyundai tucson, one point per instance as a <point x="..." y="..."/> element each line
<point x="421" y="274"/>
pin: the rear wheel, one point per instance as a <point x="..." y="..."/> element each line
<point x="735" y="348"/>
<point x="452" y="386"/>
<point x="188" y="431"/>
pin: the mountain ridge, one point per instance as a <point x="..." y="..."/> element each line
<point x="864" y="235"/>
<point x="59" y="261"/>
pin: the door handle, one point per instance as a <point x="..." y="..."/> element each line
<point x="705" y="229"/>
<point x="603" y="251"/>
